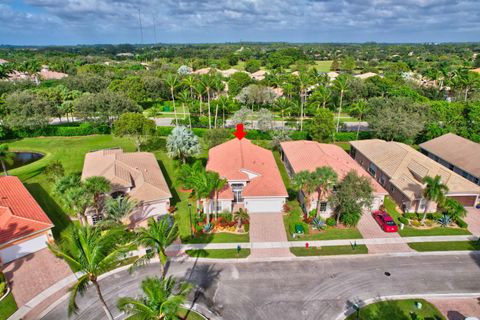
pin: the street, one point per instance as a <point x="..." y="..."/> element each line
<point x="314" y="289"/>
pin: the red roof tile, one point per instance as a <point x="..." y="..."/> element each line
<point x="20" y="214"/>
<point x="309" y="155"/>
<point x="241" y="160"/>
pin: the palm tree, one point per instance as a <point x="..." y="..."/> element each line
<point x="117" y="209"/>
<point x="184" y="98"/>
<point x="454" y="209"/>
<point x="190" y="81"/>
<point x="73" y="195"/>
<point x="97" y="186"/>
<point x="283" y="104"/>
<point x="359" y="109"/>
<point x="188" y="175"/>
<point x="218" y="184"/>
<point x="240" y="216"/>
<point x="200" y="89"/>
<point x="6" y="157"/>
<point x="223" y="101"/>
<point x="172" y="82"/>
<point x="434" y="190"/>
<point x="340" y="84"/>
<point x="157" y="237"/>
<point x="325" y="178"/>
<point x="162" y="299"/>
<point x="208" y="83"/>
<point x="303" y="182"/>
<point x="324" y="95"/>
<point x="93" y="252"/>
<point x="304" y="82"/>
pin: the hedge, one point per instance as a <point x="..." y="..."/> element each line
<point x="461" y="223"/>
<point x="64" y="130"/>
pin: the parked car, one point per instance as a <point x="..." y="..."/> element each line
<point x="385" y="221"/>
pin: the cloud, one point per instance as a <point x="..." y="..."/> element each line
<point x="230" y="20"/>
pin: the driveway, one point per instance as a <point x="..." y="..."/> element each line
<point x="473" y="220"/>
<point x="268" y="227"/>
<point x="30" y="275"/>
<point x="457" y="308"/>
<point x="370" y="229"/>
<point x="309" y="289"/>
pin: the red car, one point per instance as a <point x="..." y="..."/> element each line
<point x="385" y="221"/>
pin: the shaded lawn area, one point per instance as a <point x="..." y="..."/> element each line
<point x="398" y="310"/>
<point x="219" y="253"/>
<point x="7" y="307"/>
<point x="68" y="150"/>
<point x="446" y="246"/>
<point x="328" y="250"/>
<point x="408" y="231"/>
<point x="323" y="66"/>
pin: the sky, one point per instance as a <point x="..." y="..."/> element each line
<point x="70" y="22"/>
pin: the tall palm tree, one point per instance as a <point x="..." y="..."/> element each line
<point x="240" y="216"/>
<point x="222" y="101"/>
<point x="161" y="299"/>
<point x="218" y="184"/>
<point x="359" y="109"/>
<point x="185" y="99"/>
<point x="434" y="191"/>
<point x="93" y="252"/>
<point x="6" y="157"/>
<point x="304" y="83"/>
<point x="190" y="81"/>
<point x="324" y="94"/>
<point x="117" y="209"/>
<point x="157" y="237"/>
<point x="325" y="178"/>
<point x="200" y="90"/>
<point x="97" y="186"/>
<point x="73" y="195"/>
<point x="283" y="104"/>
<point x="172" y="82"/>
<point x="340" y="84"/>
<point x="188" y="175"/>
<point x="208" y="83"/>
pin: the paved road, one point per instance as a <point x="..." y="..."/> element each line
<point x="316" y="289"/>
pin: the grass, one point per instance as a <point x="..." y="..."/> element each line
<point x="323" y="66"/>
<point x="398" y="310"/>
<point x="7" y="307"/>
<point x="446" y="246"/>
<point x="408" y="231"/>
<point x="219" y="253"/>
<point x="283" y="171"/>
<point x="217" y="238"/>
<point x="188" y="314"/>
<point x="331" y="233"/>
<point x="328" y="250"/>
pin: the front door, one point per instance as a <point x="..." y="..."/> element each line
<point x="237" y="192"/>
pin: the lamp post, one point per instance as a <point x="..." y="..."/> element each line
<point x="190" y="217"/>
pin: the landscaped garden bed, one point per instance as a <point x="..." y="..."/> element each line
<point x="328" y="250"/>
<point x="398" y="310"/>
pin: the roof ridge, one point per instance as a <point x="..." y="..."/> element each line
<point x="29" y="219"/>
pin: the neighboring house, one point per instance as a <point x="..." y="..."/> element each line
<point x="258" y="75"/>
<point x="202" y="71"/>
<point x="366" y="75"/>
<point x="2" y="61"/>
<point x="228" y="73"/>
<point x="46" y="74"/>
<point x="254" y="181"/>
<point x="24" y="226"/>
<point x="458" y="154"/>
<point x="136" y="174"/>
<point x="400" y="170"/>
<point x="332" y="75"/>
<point x="310" y="155"/>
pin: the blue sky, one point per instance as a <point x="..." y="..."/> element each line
<point x="43" y="22"/>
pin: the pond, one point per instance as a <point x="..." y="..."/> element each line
<point x="23" y="158"/>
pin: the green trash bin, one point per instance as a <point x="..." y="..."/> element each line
<point x="299" y="229"/>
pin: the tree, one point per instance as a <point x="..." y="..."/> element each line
<point x="453" y="208"/>
<point x="320" y="97"/>
<point x="340" y="84"/>
<point x="359" y="109"/>
<point x="252" y="65"/>
<point x="6" y="157"/>
<point x="132" y="87"/>
<point x="214" y="137"/>
<point x="161" y="299"/>
<point x="134" y="126"/>
<point x="352" y="195"/>
<point x="172" y="82"/>
<point x="218" y="184"/>
<point x="54" y="171"/>
<point x="188" y="175"/>
<point x="255" y="94"/>
<point x="157" y="237"/>
<point x="433" y="191"/>
<point x="325" y="178"/>
<point x="240" y="216"/>
<point x="93" y="252"/>
<point x="264" y="120"/>
<point x="182" y="143"/>
<point x="241" y="116"/>
<point x="304" y="182"/>
<point x="304" y="81"/>
<point x="279" y="136"/>
<point x="207" y="82"/>
<point x="284" y="105"/>
<point x="97" y="186"/>
<point x="26" y="109"/>
<point x="73" y="195"/>
<point x="116" y="209"/>
<point x="237" y="82"/>
<point x="322" y="126"/>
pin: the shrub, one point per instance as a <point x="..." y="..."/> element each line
<point x="445" y="220"/>
<point x="164" y="131"/>
<point x="411" y="215"/>
<point x="403" y="220"/>
<point x="461" y="223"/>
<point x="331" y="222"/>
<point x="312" y="213"/>
<point x="434" y="216"/>
<point x="318" y="224"/>
<point x="416" y="223"/>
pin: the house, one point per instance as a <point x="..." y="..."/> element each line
<point x="258" y="75"/>
<point x="24" y="226"/>
<point x="2" y="61"/>
<point x="228" y="73"/>
<point x="202" y="71"/>
<point x="254" y="181"/>
<point x="400" y="170"/>
<point x="458" y="154"/>
<point x="136" y="174"/>
<point x="332" y="75"/>
<point x="46" y="74"/>
<point x="310" y="155"/>
<point x="366" y="75"/>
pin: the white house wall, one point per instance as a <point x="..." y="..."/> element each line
<point x="254" y="205"/>
<point x="22" y="249"/>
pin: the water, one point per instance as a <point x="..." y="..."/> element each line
<point x="23" y="158"/>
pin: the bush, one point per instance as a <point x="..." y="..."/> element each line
<point x="331" y="222"/>
<point x="312" y="213"/>
<point x="462" y="224"/>
<point x="350" y="136"/>
<point x="63" y="130"/>
<point x="411" y="215"/>
<point x="164" y="131"/>
<point x="403" y="220"/>
<point x="434" y="216"/>
<point x="416" y="223"/>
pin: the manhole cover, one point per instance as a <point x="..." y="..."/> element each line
<point x="387" y="274"/>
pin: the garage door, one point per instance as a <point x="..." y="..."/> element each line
<point x="22" y="249"/>
<point x="467" y="201"/>
<point x="264" y="205"/>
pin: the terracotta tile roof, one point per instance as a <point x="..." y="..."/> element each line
<point x="461" y="152"/>
<point x="20" y="214"/>
<point x="310" y="155"/>
<point x="476" y="70"/>
<point x="406" y="167"/>
<point x="366" y="75"/>
<point x="46" y="74"/>
<point x="241" y="160"/>
<point x="136" y="170"/>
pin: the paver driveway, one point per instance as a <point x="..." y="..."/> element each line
<point x="370" y="229"/>
<point x="457" y="308"/>
<point x="268" y="227"/>
<point x="473" y="220"/>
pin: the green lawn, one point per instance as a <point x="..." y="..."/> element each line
<point x="189" y="315"/>
<point x="328" y="250"/>
<point x="446" y="246"/>
<point x="219" y="253"/>
<point x="218" y="238"/>
<point x="408" y="231"/>
<point x="283" y="171"/>
<point x="398" y="310"/>
<point x="323" y="66"/>
<point x="7" y="307"/>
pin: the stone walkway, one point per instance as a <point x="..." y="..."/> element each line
<point x="370" y="229"/>
<point x="267" y="228"/>
<point x="457" y="308"/>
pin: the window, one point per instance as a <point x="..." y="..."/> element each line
<point x="323" y="206"/>
<point x="372" y="169"/>
<point x="382" y="180"/>
<point x="422" y="204"/>
<point x="96" y="219"/>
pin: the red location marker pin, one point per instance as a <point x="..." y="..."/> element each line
<point x="240" y="134"/>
